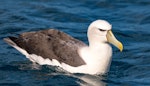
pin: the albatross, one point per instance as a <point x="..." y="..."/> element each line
<point x="56" y="48"/>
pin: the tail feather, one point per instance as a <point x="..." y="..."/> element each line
<point x="11" y="40"/>
<point x="15" y="42"/>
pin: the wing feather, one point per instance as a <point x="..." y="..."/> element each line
<point x="52" y="44"/>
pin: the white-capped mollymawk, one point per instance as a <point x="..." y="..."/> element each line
<point x="53" y="47"/>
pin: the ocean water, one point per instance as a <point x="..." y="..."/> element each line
<point x="131" y="25"/>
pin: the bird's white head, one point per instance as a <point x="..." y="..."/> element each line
<point x="99" y="28"/>
<point x="99" y="31"/>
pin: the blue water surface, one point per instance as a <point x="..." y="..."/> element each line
<point x="131" y="25"/>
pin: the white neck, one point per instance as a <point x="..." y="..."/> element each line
<point x="97" y="55"/>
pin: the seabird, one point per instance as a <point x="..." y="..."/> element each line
<point x="53" y="47"/>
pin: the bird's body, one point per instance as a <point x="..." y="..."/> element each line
<point x="53" y="47"/>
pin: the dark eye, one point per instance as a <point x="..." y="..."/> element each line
<point x="102" y="30"/>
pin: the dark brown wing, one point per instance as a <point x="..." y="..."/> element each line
<point x="52" y="44"/>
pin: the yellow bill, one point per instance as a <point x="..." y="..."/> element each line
<point x="112" y="39"/>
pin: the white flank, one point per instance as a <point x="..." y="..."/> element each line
<point x="93" y="66"/>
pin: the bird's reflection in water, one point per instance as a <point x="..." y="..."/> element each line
<point x="91" y="80"/>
